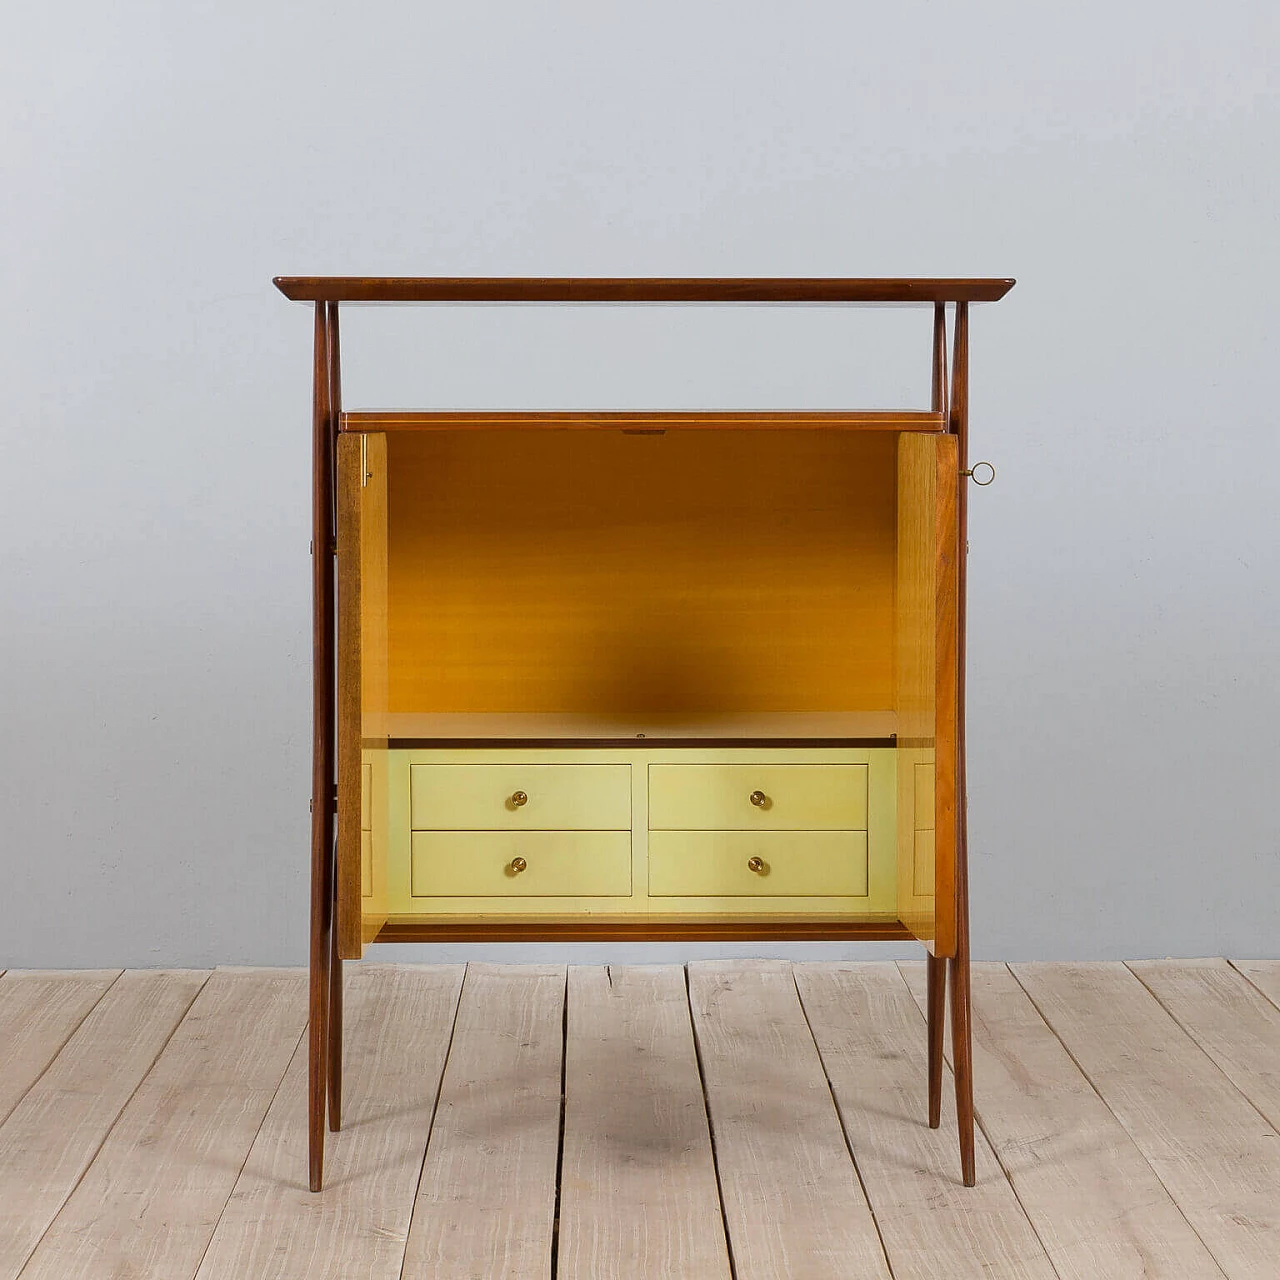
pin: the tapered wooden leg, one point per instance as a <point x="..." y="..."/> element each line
<point x="322" y="755"/>
<point x="962" y="1061"/>
<point x="335" y="1028"/>
<point x="961" y="1035"/>
<point x="318" y="1044"/>
<point x="937" y="1005"/>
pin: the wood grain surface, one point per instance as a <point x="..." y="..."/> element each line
<point x="862" y="1017"/>
<point x="485" y="1207"/>
<point x="638" y="1187"/>
<point x="792" y="1200"/>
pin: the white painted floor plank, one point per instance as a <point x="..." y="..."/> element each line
<point x="398" y="1023"/>
<point x="38" y="1012"/>
<point x="638" y="1190"/>
<point x="1263" y="974"/>
<point x="1217" y="1157"/>
<point x="792" y="1200"/>
<point x="52" y="1135"/>
<point x="485" y="1208"/>
<point x="1089" y="1192"/>
<point x="1228" y="1018"/>
<point x="150" y="1201"/>
<point x="874" y="1048"/>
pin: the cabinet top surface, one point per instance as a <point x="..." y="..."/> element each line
<point x="638" y="289"/>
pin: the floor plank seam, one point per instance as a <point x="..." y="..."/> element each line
<point x="977" y="1119"/>
<point x="431" y="1125"/>
<point x="1217" y="1066"/>
<point x="564" y="1068"/>
<point x="711" y="1127"/>
<point x="1264" y="994"/>
<point x="844" y="1130"/>
<point x="115" y="1120"/>
<point x="248" y="1151"/>
<point x="1066" y="1048"/>
<point x="62" y="1045"/>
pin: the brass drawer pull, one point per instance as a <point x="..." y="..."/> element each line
<point x="759" y="799"/>
<point x="518" y="865"/>
<point x="757" y="865"/>
<point x="519" y="799"/>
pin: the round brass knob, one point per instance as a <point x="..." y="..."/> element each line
<point x="519" y="799"/>
<point x="759" y="799"/>
<point x="518" y="865"/>
<point x="756" y="865"/>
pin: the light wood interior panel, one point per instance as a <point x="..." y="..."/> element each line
<point x="612" y="574"/>
<point x="363" y="818"/>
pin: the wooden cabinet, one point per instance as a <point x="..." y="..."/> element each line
<point x="703" y="631"/>
<point x="651" y="674"/>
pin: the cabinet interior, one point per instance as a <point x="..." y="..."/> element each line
<point x="736" y="584"/>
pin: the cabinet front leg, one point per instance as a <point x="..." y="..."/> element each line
<point x="322" y="743"/>
<point x="318" y="1031"/>
<point x="937" y="1005"/>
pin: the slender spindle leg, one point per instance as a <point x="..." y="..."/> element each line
<point x="936" y="966"/>
<point x="961" y="1033"/>
<point x="322" y="810"/>
<point x="335" y="960"/>
<point x="937" y="1005"/>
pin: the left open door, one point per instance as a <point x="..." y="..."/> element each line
<point x="361" y="886"/>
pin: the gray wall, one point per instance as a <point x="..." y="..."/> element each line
<point x="162" y="162"/>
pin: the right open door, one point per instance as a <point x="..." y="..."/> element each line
<point x="926" y="670"/>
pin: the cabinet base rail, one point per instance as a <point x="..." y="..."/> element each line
<point x="640" y="929"/>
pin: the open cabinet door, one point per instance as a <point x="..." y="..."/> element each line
<point x="925" y="681"/>
<point x="361" y="883"/>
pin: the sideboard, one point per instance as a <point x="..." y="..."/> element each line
<point x="640" y="675"/>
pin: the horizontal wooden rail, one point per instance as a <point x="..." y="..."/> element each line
<point x="634" y="289"/>
<point x="641" y="420"/>
<point x="638" y="929"/>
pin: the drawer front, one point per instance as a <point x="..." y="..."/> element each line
<point x="521" y="864"/>
<point x="758" y="797"/>
<point x="520" y="797"/>
<point x="703" y="864"/>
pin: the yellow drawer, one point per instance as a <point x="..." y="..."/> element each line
<point x="746" y="797"/>
<point x="487" y="864"/>
<point x="506" y="797"/>
<point x="702" y="864"/>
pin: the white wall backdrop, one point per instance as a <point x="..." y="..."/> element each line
<point x="161" y="162"/>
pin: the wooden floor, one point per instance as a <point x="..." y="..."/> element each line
<point x="732" y="1119"/>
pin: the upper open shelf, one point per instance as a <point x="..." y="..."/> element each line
<point x="637" y="289"/>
